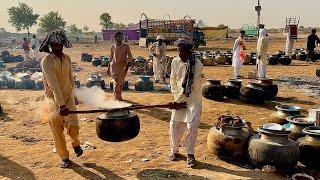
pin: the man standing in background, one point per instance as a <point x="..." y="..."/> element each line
<point x="262" y="53"/>
<point x="311" y="44"/>
<point x="34" y="43"/>
<point x="158" y="50"/>
<point x="239" y="54"/>
<point x="26" y="48"/>
<point x="120" y="60"/>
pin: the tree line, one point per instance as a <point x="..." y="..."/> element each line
<point x="22" y="17"/>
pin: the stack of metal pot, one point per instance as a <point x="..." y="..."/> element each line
<point x="95" y="80"/>
<point x="284" y="111"/>
<point x="227" y="139"/>
<point x="213" y="90"/>
<point x="144" y="84"/>
<point x="273" y="147"/>
<point x="229" y="56"/>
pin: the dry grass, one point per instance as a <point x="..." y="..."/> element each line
<point x="123" y="160"/>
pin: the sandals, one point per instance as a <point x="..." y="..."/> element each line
<point x="78" y="151"/>
<point x="65" y="163"/>
<point x="191" y="161"/>
<point x="174" y="157"/>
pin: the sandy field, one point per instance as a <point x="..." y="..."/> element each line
<point x="26" y="145"/>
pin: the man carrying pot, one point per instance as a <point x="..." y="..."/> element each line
<point x="120" y="61"/>
<point x="158" y="50"/>
<point x="59" y="92"/>
<point x="239" y="54"/>
<point x="185" y="83"/>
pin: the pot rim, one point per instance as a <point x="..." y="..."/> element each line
<point x="302" y="174"/>
<point x="273" y="132"/>
<point x="285" y="107"/>
<point x="290" y="119"/>
<point x="307" y="130"/>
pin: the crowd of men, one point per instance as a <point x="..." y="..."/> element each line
<point x="185" y="83"/>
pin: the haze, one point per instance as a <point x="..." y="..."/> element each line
<point x="233" y="13"/>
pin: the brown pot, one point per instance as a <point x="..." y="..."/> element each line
<point x="296" y="127"/>
<point x="228" y="141"/>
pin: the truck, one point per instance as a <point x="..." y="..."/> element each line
<point x="172" y="30"/>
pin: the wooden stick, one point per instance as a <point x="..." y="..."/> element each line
<point x="120" y="109"/>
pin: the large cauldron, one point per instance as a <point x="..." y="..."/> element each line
<point x="213" y="90"/>
<point x="298" y="123"/>
<point x="118" y="126"/>
<point x="233" y="88"/>
<point x="284" y="111"/>
<point x="228" y="141"/>
<point x="285" y="60"/>
<point x="252" y="94"/>
<point x="273" y="148"/>
<point x="273" y="59"/>
<point x="310" y="147"/>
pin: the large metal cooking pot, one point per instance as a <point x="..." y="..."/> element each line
<point x="297" y="127"/>
<point x="273" y="147"/>
<point x="118" y="126"/>
<point x="144" y="84"/>
<point x="310" y="147"/>
<point x="284" y="111"/>
<point x="233" y="88"/>
<point x="228" y="141"/>
<point x="213" y="90"/>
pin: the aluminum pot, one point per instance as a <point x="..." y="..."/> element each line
<point x="273" y="148"/>
<point x="297" y="127"/>
<point x="144" y="84"/>
<point x="310" y="147"/>
<point x="284" y="111"/>
<point x="118" y="126"/>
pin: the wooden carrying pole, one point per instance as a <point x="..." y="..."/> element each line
<point x="181" y="105"/>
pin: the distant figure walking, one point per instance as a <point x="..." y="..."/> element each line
<point x="34" y="43"/>
<point x="95" y="39"/>
<point x="239" y="54"/>
<point x="26" y="48"/>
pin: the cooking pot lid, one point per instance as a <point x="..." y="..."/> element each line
<point x="272" y="126"/>
<point x="288" y="108"/>
<point x="305" y="120"/>
<point x="300" y="175"/>
<point x="312" y="130"/>
<point x="273" y="132"/>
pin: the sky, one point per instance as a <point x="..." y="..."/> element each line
<point x="233" y="13"/>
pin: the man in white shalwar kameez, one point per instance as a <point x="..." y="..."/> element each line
<point x="289" y="44"/>
<point x="158" y="50"/>
<point x="262" y="53"/>
<point x="239" y="49"/>
<point x="34" y="43"/>
<point x="185" y="83"/>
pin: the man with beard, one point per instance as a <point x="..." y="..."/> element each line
<point x="59" y="93"/>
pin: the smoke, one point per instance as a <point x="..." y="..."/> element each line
<point x="95" y="97"/>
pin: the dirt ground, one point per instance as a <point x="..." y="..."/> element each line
<point x="26" y="146"/>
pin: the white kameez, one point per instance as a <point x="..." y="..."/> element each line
<point x="189" y="118"/>
<point x="35" y="51"/>
<point x="262" y="52"/>
<point x="237" y="62"/>
<point x="159" y="61"/>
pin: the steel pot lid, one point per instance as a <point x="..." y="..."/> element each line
<point x="313" y="130"/>
<point x="235" y="80"/>
<point x="288" y="108"/>
<point x="273" y="132"/>
<point x="292" y="120"/>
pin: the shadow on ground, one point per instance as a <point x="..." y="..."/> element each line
<point x="12" y="170"/>
<point x="165" y="174"/>
<point x="87" y="174"/>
